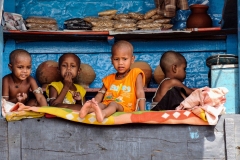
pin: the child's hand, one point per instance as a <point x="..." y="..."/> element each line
<point x="67" y="80"/>
<point x="21" y="97"/>
<point x="76" y="95"/>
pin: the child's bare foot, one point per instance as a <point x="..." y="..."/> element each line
<point x="85" y="109"/>
<point x="97" y="111"/>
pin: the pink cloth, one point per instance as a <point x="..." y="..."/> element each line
<point x="210" y="100"/>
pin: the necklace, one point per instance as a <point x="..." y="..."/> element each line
<point x="16" y="85"/>
<point x="123" y="75"/>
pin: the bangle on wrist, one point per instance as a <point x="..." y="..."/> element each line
<point x="102" y="91"/>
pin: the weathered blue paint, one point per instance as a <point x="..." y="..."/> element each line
<point x="193" y="132"/>
<point x="9" y="6"/>
<point x="231" y="44"/>
<point x="98" y="56"/>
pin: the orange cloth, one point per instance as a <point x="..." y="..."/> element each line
<point x="123" y="91"/>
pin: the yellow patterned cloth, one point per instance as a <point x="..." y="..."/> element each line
<point x="151" y="117"/>
<point x="18" y="115"/>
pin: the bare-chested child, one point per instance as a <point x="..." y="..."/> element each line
<point x="17" y="85"/>
<point x="121" y="91"/>
<point x="171" y="91"/>
<point x="65" y="93"/>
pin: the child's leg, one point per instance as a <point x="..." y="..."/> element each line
<point x="108" y="111"/>
<point x="88" y="107"/>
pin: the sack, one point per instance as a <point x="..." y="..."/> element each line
<point x="35" y="19"/>
<point x="107" y="12"/>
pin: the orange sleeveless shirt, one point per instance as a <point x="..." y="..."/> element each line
<point x="122" y="91"/>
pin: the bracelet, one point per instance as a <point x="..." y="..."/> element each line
<point x="38" y="90"/>
<point x="102" y="91"/>
<point x="48" y="99"/>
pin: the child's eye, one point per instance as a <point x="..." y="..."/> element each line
<point x="124" y="59"/>
<point x="115" y="59"/>
<point x="73" y="66"/>
<point x="29" y="67"/>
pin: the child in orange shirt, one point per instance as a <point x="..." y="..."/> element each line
<point x="121" y="91"/>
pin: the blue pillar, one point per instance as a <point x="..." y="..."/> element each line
<point x="238" y="12"/>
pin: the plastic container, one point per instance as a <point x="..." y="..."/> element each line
<point x="226" y="75"/>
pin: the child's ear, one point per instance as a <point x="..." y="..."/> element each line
<point x="79" y="70"/>
<point x="10" y="66"/>
<point x="133" y="59"/>
<point x="174" y="68"/>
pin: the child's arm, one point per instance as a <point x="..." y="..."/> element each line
<point x="177" y="83"/>
<point x="77" y="96"/>
<point x="140" y="92"/>
<point x="5" y="89"/>
<point x="100" y="94"/>
<point x="37" y="92"/>
<point x="58" y="102"/>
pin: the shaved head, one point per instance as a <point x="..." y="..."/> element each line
<point x="170" y="58"/>
<point x="122" y="45"/>
<point x="65" y="55"/>
<point x="16" y="53"/>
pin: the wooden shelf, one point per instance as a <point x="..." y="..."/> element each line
<point x="198" y="34"/>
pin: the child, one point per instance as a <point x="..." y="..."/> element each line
<point x="121" y="91"/>
<point x="171" y="91"/>
<point x="17" y="85"/>
<point x="65" y="93"/>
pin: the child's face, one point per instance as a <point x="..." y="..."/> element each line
<point x="69" y="66"/>
<point x="21" y="68"/>
<point x="181" y="72"/>
<point x="122" y="59"/>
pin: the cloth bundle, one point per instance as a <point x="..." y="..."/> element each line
<point x="209" y="100"/>
<point x="13" y="21"/>
<point x="168" y="8"/>
<point x="41" y="23"/>
<point x="77" y="24"/>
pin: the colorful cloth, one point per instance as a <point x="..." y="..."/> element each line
<point x="202" y="107"/>
<point x="150" y="117"/>
<point x="123" y="91"/>
<point x="209" y="100"/>
<point x="69" y="97"/>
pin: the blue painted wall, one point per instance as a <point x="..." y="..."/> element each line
<point x="97" y="53"/>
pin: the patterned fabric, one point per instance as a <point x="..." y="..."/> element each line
<point x="210" y="100"/>
<point x="68" y="98"/>
<point x="123" y="91"/>
<point x="168" y="7"/>
<point x="150" y="117"/>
